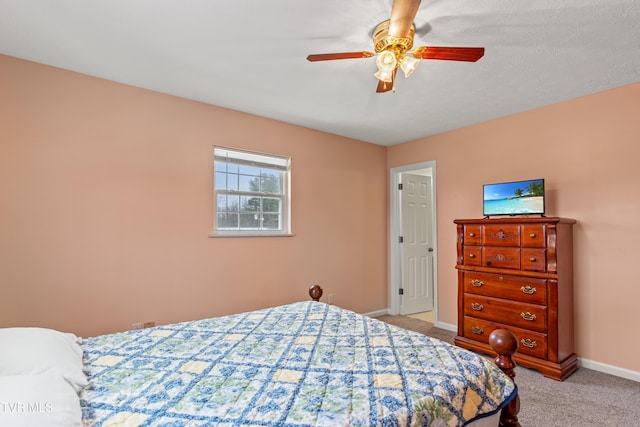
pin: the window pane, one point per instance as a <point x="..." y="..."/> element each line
<point x="232" y="182"/>
<point x="270" y="182"/>
<point x="249" y="183"/>
<point x="270" y="205"/>
<point x="220" y="166"/>
<point x="249" y="170"/>
<point x="250" y="204"/>
<point x="221" y="181"/>
<point x="221" y="202"/>
<point x="271" y="221"/>
<point x="226" y="181"/>
<point x="250" y="221"/>
<point x="227" y="203"/>
<point x="226" y="220"/>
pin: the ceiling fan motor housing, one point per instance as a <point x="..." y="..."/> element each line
<point x="383" y="41"/>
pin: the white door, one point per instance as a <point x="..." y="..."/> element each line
<point x="417" y="245"/>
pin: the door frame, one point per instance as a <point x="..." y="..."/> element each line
<point x="395" y="230"/>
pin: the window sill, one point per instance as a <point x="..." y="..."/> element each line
<point x="225" y="235"/>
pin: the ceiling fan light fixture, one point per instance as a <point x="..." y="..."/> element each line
<point x="384" y="75"/>
<point x="409" y="64"/>
<point x="386" y="61"/>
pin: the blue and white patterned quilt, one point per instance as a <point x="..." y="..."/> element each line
<point x="302" y="364"/>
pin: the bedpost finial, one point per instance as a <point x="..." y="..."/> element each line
<point x="315" y="292"/>
<point x="505" y="344"/>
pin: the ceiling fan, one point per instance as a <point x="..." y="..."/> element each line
<point x="393" y="40"/>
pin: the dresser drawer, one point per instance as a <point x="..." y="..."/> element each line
<point x="517" y="288"/>
<point x="472" y="235"/>
<point x="473" y="255"/>
<point x="534" y="236"/>
<point x="501" y="257"/>
<point x="529" y="342"/>
<point x="533" y="259"/>
<point x="501" y="235"/>
<point x="523" y="315"/>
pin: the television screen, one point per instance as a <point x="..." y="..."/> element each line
<point x="514" y="198"/>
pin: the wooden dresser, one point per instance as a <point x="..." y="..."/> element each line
<point x="517" y="273"/>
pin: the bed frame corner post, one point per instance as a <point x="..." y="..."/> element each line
<point x="505" y="344"/>
<point x="315" y="292"/>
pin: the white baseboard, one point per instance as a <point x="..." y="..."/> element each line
<point x="609" y="369"/>
<point x="377" y="313"/>
<point x="446" y="326"/>
<point x="585" y="363"/>
<point x="441" y="325"/>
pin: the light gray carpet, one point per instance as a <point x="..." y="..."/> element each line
<point x="587" y="398"/>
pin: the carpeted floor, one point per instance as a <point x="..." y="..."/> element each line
<point x="587" y="398"/>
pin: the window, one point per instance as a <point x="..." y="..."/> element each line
<point x="251" y="193"/>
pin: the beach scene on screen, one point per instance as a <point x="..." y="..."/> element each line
<point x="513" y="198"/>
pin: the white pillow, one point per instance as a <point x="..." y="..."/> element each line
<point x="39" y="350"/>
<point x="38" y="401"/>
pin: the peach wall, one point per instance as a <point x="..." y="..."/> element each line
<point x="106" y="194"/>
<point x="587" y="150"/>
<point x="106" y="206"/>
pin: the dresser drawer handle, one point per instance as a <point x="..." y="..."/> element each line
<point x="532" y="235"/>
<point x="477" y="283"/>
<point x="500" y="279"/>
<point x="472" y="255"/>
<point x="472" y="234"/>
<point x="477" y="307"/>
<point x="528" y="316"/>
<point x="528" y="343"/>
<point x="532" y="259"/>
<point x="528" y="290"/>
<point x="477" y="330"/>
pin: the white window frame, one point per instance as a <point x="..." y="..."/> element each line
<point x="279" y="163"/>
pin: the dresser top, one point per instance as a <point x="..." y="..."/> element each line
<point x="516" y="219"/>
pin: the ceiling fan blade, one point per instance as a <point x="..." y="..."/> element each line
<point x="342" y="55"/>
<point x="470" y="54"/>
<point x="386" y="86"/>
<point x="403" y="12"/>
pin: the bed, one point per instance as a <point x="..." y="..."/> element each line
<point x="301" y="364"/>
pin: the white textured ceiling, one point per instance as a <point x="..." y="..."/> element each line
<point x="250" y="56"/>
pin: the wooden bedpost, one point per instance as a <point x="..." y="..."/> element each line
<point x="505" y="344"/>
<point x="315" y="292"/>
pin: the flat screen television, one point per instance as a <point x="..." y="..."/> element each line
<point x="514" y="198"/>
